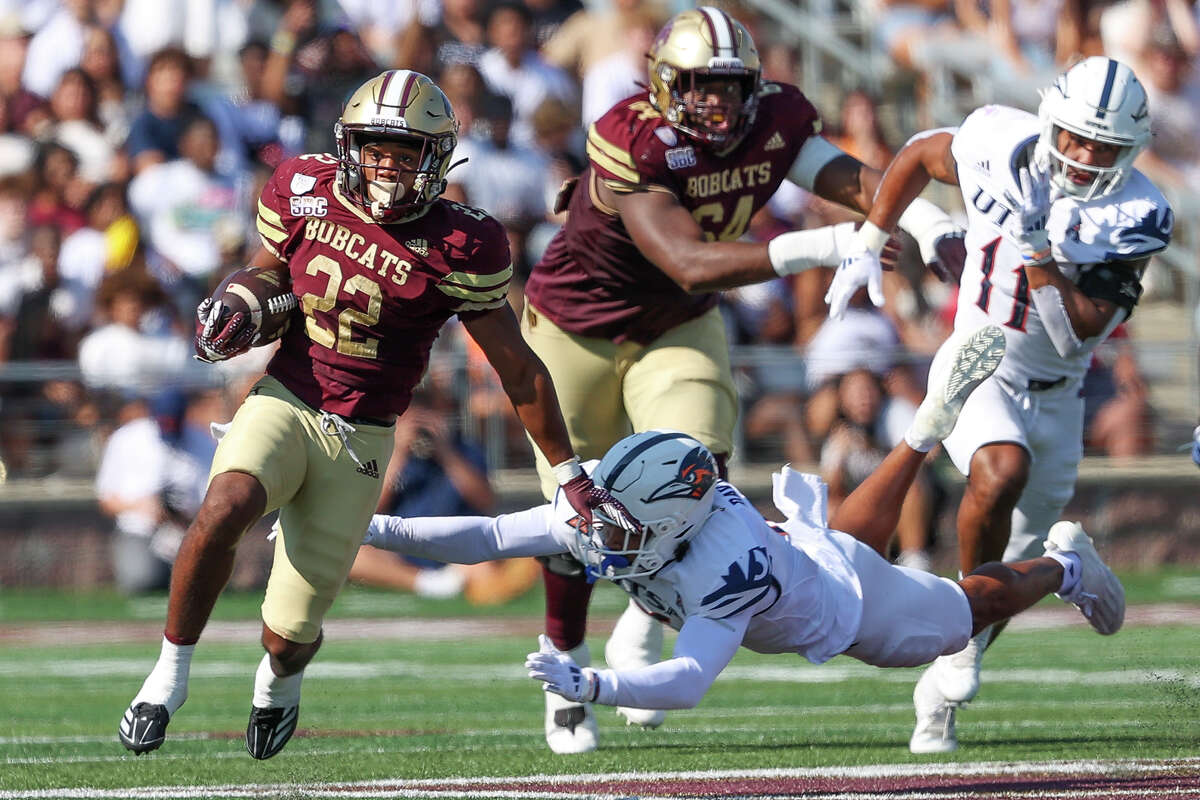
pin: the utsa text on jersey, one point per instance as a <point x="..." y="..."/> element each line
<point x="343" y="240"/>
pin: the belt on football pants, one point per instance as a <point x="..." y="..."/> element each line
<point x="1036" y="385"/>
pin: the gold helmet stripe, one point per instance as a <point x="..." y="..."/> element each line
<point x="723" y="36"/>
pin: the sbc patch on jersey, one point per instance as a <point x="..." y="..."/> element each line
<point x="681" y="157"/>
<point x="308" y="206"/>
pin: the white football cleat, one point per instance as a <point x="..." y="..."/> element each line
<point x="636" y="641"/>
<point x="1098" y="595"/>
<point x="962" y="363"/>
<point x="957" y="674"/>
<point x="934" y="732"/>
<point x="570" y="726"/>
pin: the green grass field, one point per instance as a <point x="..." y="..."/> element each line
<point x="440" y="700"/>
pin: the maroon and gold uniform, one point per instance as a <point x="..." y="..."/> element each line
<point x="373" y="296"/>
<point x="593" y="281"/>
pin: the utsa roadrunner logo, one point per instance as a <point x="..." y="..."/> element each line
<point x="743" y="585"/>
<point x="695" y="477"/>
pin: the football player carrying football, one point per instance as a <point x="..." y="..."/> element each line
<point x="692" y="548"/>
<point x="379" y="262"/>
<point x="1060" y="227"/>
<point x="622" y="307"/>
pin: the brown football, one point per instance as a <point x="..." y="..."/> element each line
<point x="265" y="295"/>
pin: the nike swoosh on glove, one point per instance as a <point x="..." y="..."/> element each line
<point x="219" y="334"/>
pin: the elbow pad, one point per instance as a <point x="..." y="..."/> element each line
<point x="1053" y="313"/>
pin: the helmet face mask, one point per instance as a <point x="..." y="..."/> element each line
<point x="698" y="51"/>
<point x="666" y="482"/>
<point x="406" y="108"/>
<point x="1102" y="101"/>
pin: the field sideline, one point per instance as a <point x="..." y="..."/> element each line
<point x="421" y="705"/>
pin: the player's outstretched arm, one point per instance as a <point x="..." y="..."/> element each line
<point x="666" y="233"/>
<point x="469" y="540"/>
<point x="704" y="648"/>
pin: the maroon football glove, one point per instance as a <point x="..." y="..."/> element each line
<point x="586" y="497"/>
<point x="221" y="335"/>
<point x="951" y="255"/>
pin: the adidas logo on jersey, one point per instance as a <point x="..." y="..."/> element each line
<point x="418" y="246"/>
<point x="370" y="469"/>
<point x="775" y="142"/>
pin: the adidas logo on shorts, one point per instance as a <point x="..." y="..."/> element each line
<point x="775" y="142"/>
<point x="370" y="469"/>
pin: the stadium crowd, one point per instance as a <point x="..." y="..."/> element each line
<point x="136" y="136"/>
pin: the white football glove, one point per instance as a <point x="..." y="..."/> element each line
<point x="860" y="267"/>
<point x="560" y="674"/>
<point x="1030" y="213"/>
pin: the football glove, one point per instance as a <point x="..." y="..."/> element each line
<point x="585" y="496"/>
<point x="1031" y="211"/>
<point x="860" y="267"/>
<point x="560" y="674"/>
<point x="221" y="335"/>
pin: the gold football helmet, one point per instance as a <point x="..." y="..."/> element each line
<point x="694" y="49"/>
<point x="401" y="106"/>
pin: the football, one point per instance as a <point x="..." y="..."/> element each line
<point x="265" y="296"/>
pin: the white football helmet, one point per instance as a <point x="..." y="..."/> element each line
<point x="1099" y="99"/>
<point x="665" y="480"/>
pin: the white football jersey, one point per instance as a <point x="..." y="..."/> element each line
<point x="1133" y="222"/>
<point x="800" y="589"/>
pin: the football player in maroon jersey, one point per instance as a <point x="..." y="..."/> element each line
<point x="622" y="306"/>
<point x="379" y="263"/>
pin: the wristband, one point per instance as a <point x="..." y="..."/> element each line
<point x="567" y="470"/>
<point x="872" y="237"/>
<point x="926" y="223"/>
<point x="796" y="251"/>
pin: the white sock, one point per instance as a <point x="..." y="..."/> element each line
<point x="167" y="683"/>
<point x="272" y="691"/>
<point x="1072" y="569"/>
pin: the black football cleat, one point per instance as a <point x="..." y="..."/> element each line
<point x="144" y="727"/>
<point x="269" y="730"/>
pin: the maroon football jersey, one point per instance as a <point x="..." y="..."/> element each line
<point x="373" y="296"/>
<point x="593" y="280"/>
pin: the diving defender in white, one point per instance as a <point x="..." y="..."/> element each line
<point x="693" y="551"/>
<point x="1060" y="228"/>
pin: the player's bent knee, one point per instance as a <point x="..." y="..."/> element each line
<point x="999" y="477"/>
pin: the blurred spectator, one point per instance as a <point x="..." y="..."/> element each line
<point x="380" y="24"/>
<point x="1173" y="89"/>
<point x="56" y="46"/>
<point x="512" y="67"/>
<point x="14" y="208"/>
<point x="457" y="38"/>
<point x="613" y="77"/>
<point x="557" y="136"/>
<point x="20" y="108"/>
<point x="594" y="34"/>
<point x="868" y="425"/>
<point x="104" y="244"/>
<point x="899" y="25"/>
<point x="76" y="125"/>
<point x="434" y="471"/>
<point x="465" y="89"/>
<point x="324" y="70"/>
<point x="1128" y="28"/>
<point x="548" y="17"/>
<point x="504" y="177"/>
<point x="151" y="488"/>
<point x="134" y="350"/>
<point x="190" y="213"/>
<point x="34" y="305"/>
<point x="58" y="194"/>
<point x="859" y="132"/>
<point x="155" y="132"/>
<point x="1117" y="417"/>
<point x="102" y="63"/>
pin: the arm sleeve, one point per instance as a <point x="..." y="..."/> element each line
<point x="704" y="648"/>
<point x="467" y="540"/>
